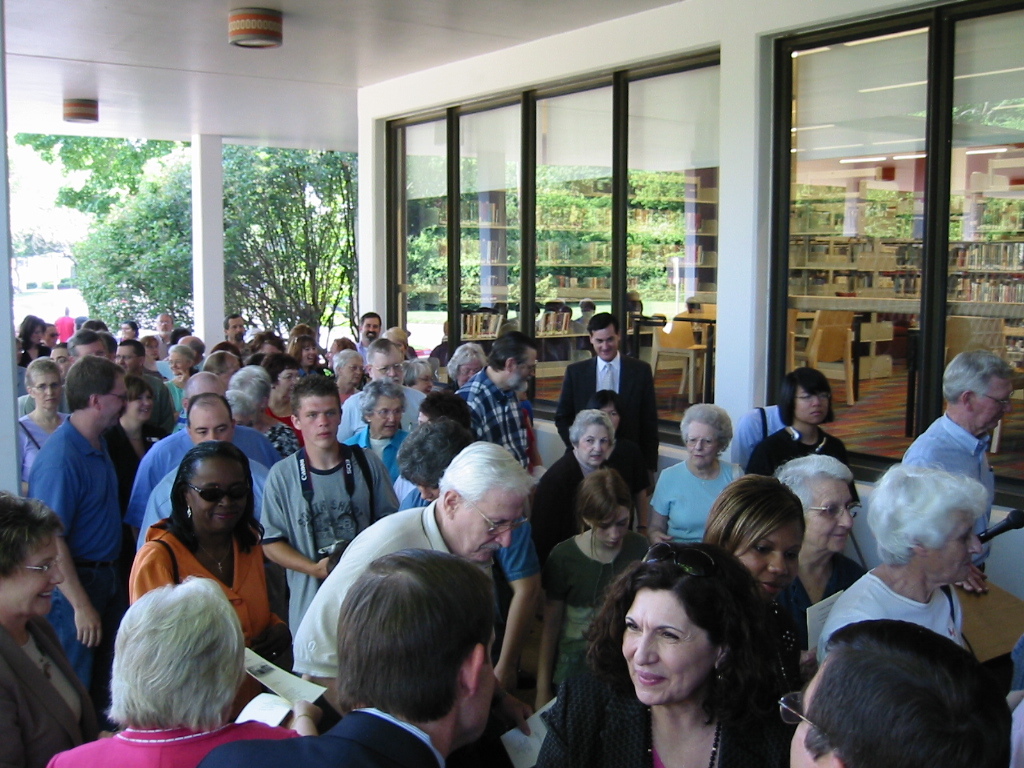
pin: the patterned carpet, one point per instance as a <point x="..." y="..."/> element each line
<point x="873" y="425"/>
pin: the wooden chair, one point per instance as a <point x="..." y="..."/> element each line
<point x="830" y="348"/>
<point x="676" y="341"/>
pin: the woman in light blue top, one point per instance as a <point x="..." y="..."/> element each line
<point x="684" y="493"/>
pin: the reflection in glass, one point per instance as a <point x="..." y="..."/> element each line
<point x="672" y="232"/>
<point x="423" y="288"/>
<point x="489" y="256"/>
<point x="856" y="205"/>
<point x="574" y="219"/>
<point x="985" y="286"/>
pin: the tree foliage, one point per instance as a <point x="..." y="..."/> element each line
<point x="115" y="166"/>
<point x="289" y="245"/>
<point x="290" y="235"/>
<point x="137" y="261"/>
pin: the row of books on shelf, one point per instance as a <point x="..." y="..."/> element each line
<point x="997" y="256"/>
<point x="566" y="281"/>
<point x="555" y="322"/>
<point x="481" y="324"/>
<point x="482" y="211"/>
<point x="573" y="253"/>
<point x="972" y="289"/>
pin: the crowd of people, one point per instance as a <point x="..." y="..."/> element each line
<point x="388" y="528"/>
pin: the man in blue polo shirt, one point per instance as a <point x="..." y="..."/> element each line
<point x="168" y="453"/>
<point x="75" y="477"/>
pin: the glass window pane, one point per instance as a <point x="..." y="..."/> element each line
<point x="672" y="231"/>
<point x="574" y="222"/>
<point x="423" y="291"/>
<point x="489" y="256"/>
<point x="985" y="287"/>
<point x="856" y="206"/>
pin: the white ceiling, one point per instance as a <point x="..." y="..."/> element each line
<point x="163" y="69"/>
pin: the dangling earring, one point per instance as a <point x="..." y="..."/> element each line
<point x="188" y="511"/>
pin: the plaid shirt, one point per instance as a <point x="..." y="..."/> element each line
<point x="497" y="417"/>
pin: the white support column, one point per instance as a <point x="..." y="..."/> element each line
<point x="10" y="469"/>
<point x="208" y="238"/>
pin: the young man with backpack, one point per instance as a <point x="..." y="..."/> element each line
<point x="318" y="499"/>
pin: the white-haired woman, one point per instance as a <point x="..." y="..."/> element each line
<point x="923" y="520"/>
<point x="382" y="405"/>
<point x="419" y="376"/>
<point x="349" y="369"/>
<point x="822" y="483"/>
<point x="178" y="660"/>
<point x="685" y="492"/>
<point x="181" y="358"/>
<point x="254" y="381"/>
<point x="465" y="363"/>
<point x="592" y="437"/>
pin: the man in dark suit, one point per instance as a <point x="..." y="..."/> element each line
<point x="631" y="378"/>
<point x="403" y="713"/>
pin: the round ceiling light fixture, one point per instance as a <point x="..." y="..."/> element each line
<point x="255" y="28"/>
<point x="81" y="111"/>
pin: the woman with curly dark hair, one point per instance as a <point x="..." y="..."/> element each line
<point x="679" y="675"/>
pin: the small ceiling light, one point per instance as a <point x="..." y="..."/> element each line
<point x="255" y="28"/>
<point x="81" y="111"/>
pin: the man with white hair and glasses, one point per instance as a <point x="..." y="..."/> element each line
<point x="482" y="498"/>
<point x="976" y="386"/>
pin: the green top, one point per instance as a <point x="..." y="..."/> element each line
<point x="579" y="581"/>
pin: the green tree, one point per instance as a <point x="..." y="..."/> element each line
<point x="289" y="248"/>
<point x="115" y="167"/>
<point x="289" y="219"/>
<point x="137" y="261"/>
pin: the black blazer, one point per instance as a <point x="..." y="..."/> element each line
<point x="35" y="722"/>
<point x="593" y="726"/>
<point x="636" y="392"/>
<point x="360" y="740"/>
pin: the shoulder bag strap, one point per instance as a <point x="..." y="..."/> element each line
<point x="174" y="560"/>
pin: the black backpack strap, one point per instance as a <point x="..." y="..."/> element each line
<point x="174" y="560"/>
<point x="764" y="423"/>
<point x="348" y="452"/>
<point x="364" y="466"/>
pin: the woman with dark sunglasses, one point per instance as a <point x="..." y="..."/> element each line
<point x="212" y="532"/>
<point x="678" y="673"/>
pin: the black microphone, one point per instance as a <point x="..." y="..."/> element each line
<point x="1013" y="521"/>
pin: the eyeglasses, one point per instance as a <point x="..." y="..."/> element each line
<point x="393" y="368"/>
<point x="493" y="528"/>
<point x="44" y="568"/>
<point x="791" y="710"/>
<point x="214" y="495"/>
<point x="700" y="441"/>
<point x="47" y="387"/>
<point x="835" y="510"/>
<point x="1004" y="403"/>
<point x="122" y="397"/>
<point x="387" y="413"/>
<point x="693" y="561"/>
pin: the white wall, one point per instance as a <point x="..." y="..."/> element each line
<point x="743" y="31"/>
